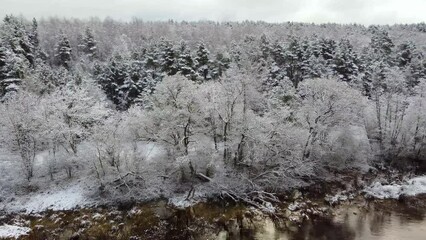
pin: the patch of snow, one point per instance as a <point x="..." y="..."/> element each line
<point x="339" y="197"/>
<point x="268" y="207"/>
<point x="293" y="207"/>
<point x="151" y="151"/>
<point x="64" y="199"/>
<point x="41" y="158"/>
<point x="411" y="187"/>
<point x="181" y="202"/>
<point x="98" y="216"/>
<point x="11" y="231"/>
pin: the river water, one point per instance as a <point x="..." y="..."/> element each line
<point x="361" y="220"/>
<point x="390" y="221"/>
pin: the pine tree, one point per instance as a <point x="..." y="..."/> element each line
<point x="185" y="62"/>
<point x="277" y="53"/>
<point x="112" y="77"/>
<point x="12" y="70"/>
<point x="294" y="61"/>
<point x="33" y="36"/>
<point x="202" y="62"/>
<point x="236" y="53"/>
<point x="16" y="38"/>
<point x="3" y="56"/>
<point x="88" y="44"/>
<point x="381" y="44"/>
<point x="152" y="58"/>
<point x="404" y="54"/>
<point x="63" y="51"/>
<point x="416" y="70"/>
<point x="220" y="65"/>
<point x="125" y="80"/>
<point x="328" y="48"/>
<point x="345" y="61"/>
<point x="265" y="47"/>
<point x="168" y="60"/>
<point x="275" y="75"/>
<point x="14" y="66"/>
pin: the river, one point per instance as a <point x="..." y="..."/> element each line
<point x="380" y="221"/>
<point x="358" y="220"/>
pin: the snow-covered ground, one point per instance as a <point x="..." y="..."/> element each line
<point x="411" y="187"/>
<point x="60" y="194"/>
<point x="56" y="199"/>
<point x="11" y="231"/>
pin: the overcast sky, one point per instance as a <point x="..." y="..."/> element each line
<point x="318" y="11"/>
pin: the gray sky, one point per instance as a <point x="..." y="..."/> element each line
<point x="318" y="11"/>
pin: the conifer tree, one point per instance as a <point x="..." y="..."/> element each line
<point x="16" y="38"/>
<point x="185" y="62"/>
<point x="168" y="58"/>
<point x="33" y="36"/>
<point x="63" y="51"/>
<point x="220" y="65"/>
<point x="89" y="44"/>
<point x="345" y="61"/>
<point x="294" y="61"/>
<point x="382" y="45"/>
<point x="202" y="61"/>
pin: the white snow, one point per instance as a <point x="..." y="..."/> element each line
<point x="64" y="199"/>
<point x="181" y="202"/>
<point x="151" y="151"/>
<point x="10" y="231"/>
<point x="411" y="187"/>
<point x="339" y="197"/>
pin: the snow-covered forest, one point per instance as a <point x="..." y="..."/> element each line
<point x="144" y="110"/>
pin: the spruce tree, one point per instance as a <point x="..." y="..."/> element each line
<point x="88" y="44"/>
<point x="168" y="60"/>
<point x="382" y="45"/>
<point x="220" y="65"/>
<point x="345" y="61"/>
<point x="63" y="51"/>
<point x="185" y="62"/>
<point x="33" y="36"/>
<point x="294" y="61"/>
<point x="404" y="54"/>
<point x="16" y="38"/>
<point x="265" y="47"/>
<point x="202" y="61"/>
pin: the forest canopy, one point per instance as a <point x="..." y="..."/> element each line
<point x="246" y="106"/>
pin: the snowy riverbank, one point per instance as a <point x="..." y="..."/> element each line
<point x="410" y="187"/>
<point x="11" y="231"/>
<point x="65" y="198"/>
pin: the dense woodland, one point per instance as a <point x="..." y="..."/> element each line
<point x="249" y="107"/>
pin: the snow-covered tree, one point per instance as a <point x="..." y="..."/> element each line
<point x="15" y="37"/>
<point x="389" y="103"/>
<point x="345" y="61"/>
<point x="71" y="112"/>
<point x="22" y="128"/>
<point x="167" y="59"/>
<point x="88" y="44"/>
<point x="202" y="62"/>
<point x="185" y="62"/>
<point x="63" y="51"/>
<point x="326" y="104"/>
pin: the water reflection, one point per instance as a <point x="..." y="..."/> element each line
<point x="324" y="229"/>
<point x="390" y="221"/>
<point x="387" y="222"/>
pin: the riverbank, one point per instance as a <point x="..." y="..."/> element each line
<point x="161" y="219"/>
<point x="214" y="220"/>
